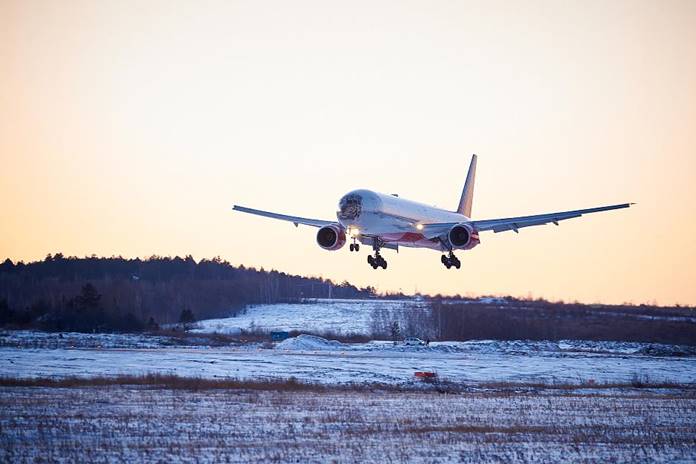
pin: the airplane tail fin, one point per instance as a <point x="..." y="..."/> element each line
<point x="467" y="198"/>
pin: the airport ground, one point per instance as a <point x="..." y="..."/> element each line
<point x="167" y="423"/>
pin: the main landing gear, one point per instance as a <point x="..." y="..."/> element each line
<point x="376" y="261"/>
<point x="450" y="261"/>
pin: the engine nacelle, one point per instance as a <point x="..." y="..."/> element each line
<point x="331" y="237"/>
<point x="463" y="237"/>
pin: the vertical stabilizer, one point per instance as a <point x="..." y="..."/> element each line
<point x="467" y="198"/>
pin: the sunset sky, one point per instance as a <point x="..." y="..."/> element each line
<point x="132" y="127"/>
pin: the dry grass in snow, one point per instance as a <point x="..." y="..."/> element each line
<point x="138" y="423"/>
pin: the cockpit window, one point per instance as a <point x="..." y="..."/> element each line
<point x="350" y="206"/>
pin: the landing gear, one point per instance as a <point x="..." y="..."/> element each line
<point x="450" y="261"/>
<point x="376" y="261"/>
<point x="354" y="247"/>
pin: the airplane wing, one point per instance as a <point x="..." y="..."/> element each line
<point x="516" y="223"/>
<point x="294" y="219"/>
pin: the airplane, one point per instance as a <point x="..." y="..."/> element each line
<point x="387" y="221"/>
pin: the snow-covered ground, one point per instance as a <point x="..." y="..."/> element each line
<point x="334" y="316"/>
<point x="53" y="340"/>
<point x="126" y="424"/>
<point x="489" y="424"/>
<point x="314" y="359"/>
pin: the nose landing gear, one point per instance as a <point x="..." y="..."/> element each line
<point x="354" y="246"/>
<point x="450" y="261"/>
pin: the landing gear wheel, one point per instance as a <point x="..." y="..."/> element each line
<point x="446" y="261"/>
<point x="356" y="247"/>
<point x="352" y="247"/>
<point x="376" y="261"/>
<point x="450" y="261"/>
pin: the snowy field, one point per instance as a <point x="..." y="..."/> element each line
<point x="318" y="316"/>
<point x="499" y="413"/>
<point x="314" y="359"/>
<point x="72" y="340"/>
<point x="351" y="316"/>
<point x="129" y="424"/>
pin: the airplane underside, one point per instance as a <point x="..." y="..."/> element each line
<point x="413" y="240"/>
<point x="410" y="240"/>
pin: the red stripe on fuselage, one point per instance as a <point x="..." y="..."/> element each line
<point x="405" y="237"/>
<point x="411" y="237"/>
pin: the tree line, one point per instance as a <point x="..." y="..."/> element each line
<point x="545" y="320"/>
<point x="118" y="294"/>
<point x="508" y="318"/>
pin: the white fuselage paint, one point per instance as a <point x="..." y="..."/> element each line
<point x="381" y="214"/>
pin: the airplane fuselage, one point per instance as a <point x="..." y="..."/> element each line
<point x="366" y="213"/>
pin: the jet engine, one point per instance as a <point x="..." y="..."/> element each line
<point x="462" y="236"/>
<point x="331" y="237"/>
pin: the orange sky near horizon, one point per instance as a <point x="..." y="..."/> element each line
<point x="132" y="127"/>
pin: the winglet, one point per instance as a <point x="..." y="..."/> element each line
<point x="467" y="198"/>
